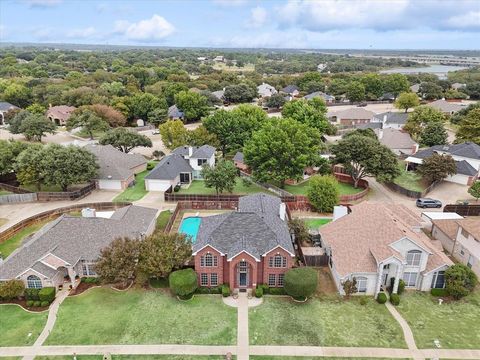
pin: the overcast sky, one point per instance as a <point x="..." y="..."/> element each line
<point x="377" y="24"/>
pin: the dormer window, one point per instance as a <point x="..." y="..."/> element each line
<point x="413" y="257"/>
<point x="200" y="162"/>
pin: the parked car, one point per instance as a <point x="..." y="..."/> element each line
<point x="428" y="203"/>
<point x="362" y="104"/>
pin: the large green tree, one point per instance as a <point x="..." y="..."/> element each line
<point x="431" y="91"/>
<point x="460" y="280"/>
<point x="161" y="253"/>
<point x="420" y="117"/>
<point x="355" y="91"/>
<point x="407" y="100"/>
<point x="88" y="120"/>
<point x="363" y="156"/>
<point x="140" y="105"/>
<point x="469" y="129"/>
<point x="193" y="105"/>
<point x="241" y="93"/>
<point x="174" y="134"/>
<point x="281" y="150"/>
<point x="124" y="139"/>
<point x="323" y="192"/>
<point x="9" y="151"/>
<point x="433" y="133"/>
<point x="396" y="84"/>
<point x="30" y="167"/>
<point x="309" y="112"/>
<point x="221" y="177"/>
<point x="35" y="126"/>
<point x="437" y="167"/>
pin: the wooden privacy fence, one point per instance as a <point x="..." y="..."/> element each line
<point x="47" y="196"/>
<point x="464" y="210"/>
<point x="410" y="193"/>
<point x="17" y="198"/>
<point x="51" y="214"/>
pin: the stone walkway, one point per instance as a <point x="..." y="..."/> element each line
<point x="242" y="328"/>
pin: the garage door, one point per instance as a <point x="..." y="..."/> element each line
<point x="156" y="185"/>
<point x="110" y="184"/>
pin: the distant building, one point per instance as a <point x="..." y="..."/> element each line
<point x="5" y="107"/>
<point x="351" y="117"/>
<point x="398" y="141"/>
<point x="60" y="114"/>
<point x="415" y="88"/>
<point x="291" y="90"/>
<point x="266" y="90"/>
<point x="389" y="119"/>
<point x="174" y="113"/>
<point x="458" y="86"/>
<point x="219" y="58"/>
<point x="447" y="107"/>
<point x="321" y="67"/>
<point x="329" y="99"/>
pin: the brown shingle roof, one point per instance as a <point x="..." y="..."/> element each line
<point x="448" y="226"/>
<point x="472" y="225"/>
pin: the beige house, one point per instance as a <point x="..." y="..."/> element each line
<point x="377" y="242"/>
<point x="461" y="238"/>
<point x="60" y="114"/>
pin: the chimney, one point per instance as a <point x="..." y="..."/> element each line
<point x="190" y="151"/>
<point x="283" y="211"/>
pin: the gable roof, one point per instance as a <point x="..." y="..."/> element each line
<point x="6" y="106"/>
<point x="395" y="139"/>
<point x="361" y="239"/>
<point x="467" y="150"/>
<point x="353" y="113"/>
<point x="169" y="168"/>
<point x="115" y="164"/>
<point x="75" y="238"/>
<point x="471" y="225"/>
<point x="448" y="226"/>
<point x="266" y="89"/>
<point x="446" y="106"/>
<point x="218" y="94"/>
<point x="321" y="94"/>
<point x="255" y="227"/>
<point x="174" y="112"/>
<point x="238" y="156"/>
<point x="392" y="117"/>
<point x="464" y="168"/>
<point x="202" y="152"/>
<point x="61" y="112"/>
<point x="290" y="89"/>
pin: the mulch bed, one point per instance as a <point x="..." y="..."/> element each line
<point x="23" y="304"/>
<point x="81" y="288"/>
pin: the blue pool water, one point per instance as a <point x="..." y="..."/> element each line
<point x="190" y="226"/>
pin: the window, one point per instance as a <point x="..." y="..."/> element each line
<point x="184" y="178"/>
<point x="213" y="279"/>
<point x="271" y="280"/>
<point x="462" y="251"/>
<point x="464" y="233"/>
<point x="410" y="278"/>
<point x="277" y="261"/>
<point x="204" y="280"/>
<point x="34" y="282"/>
<point x="208" y="260"/>
<point x="281" y="280"/>
<point x="361" y="284"/>
<point x="413" y="257"/>
<point x="438" y="280"/>
<point x="88" y="269"/>
<point x="200" y="162"/>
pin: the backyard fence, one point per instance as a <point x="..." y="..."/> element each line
<point x="44" y="196"/>
<point x="411" y="193"/>
<point x="464" y="210"/>
<point x="17" y="198"/>
<point x="51" y="214"/>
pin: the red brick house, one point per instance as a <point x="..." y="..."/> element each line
<point x="246" y="247"/>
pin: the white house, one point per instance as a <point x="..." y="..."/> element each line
<point x="182" y="166"/>
<point x="389" y="119"/>
<point x="466" y="156"/>
<point x="376" y="243"/>
<point x="266" y="90"/>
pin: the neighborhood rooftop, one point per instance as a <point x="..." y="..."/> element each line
<point x="169" y="168"/>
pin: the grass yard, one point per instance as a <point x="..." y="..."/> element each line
<point x="17" y="324"/>
<point x="133" y="357"/>
<point x="4" y="192"/>
<point x="159" y="283"/>
<point x="326" y="322"/>
<point x="11" y="244"/>
<point x="309" y="358"/>
<point x="316" y="223"/>
<point x="409" y="180"/>
<point x="198" y="187"/>
<point x="454" y="324"/>
<point x="162" y="219"/>
<point x="104" y="316"/>
<point x="135" y="192"/>
<point x="301" y="189"/>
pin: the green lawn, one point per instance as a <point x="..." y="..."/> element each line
<point x="316" y="223"/>
<point x="135" y="192"/>
<point x="310" y="358"/>
<point x="159" y="283"/>
<point x="162" y="219"/>
<point x="326" y="322"/>
<point x="4" y="192"/>
<point x="301" y="189"/>
<point x="104" y="316"/>
<point x="17" y="324"/>
<point x="198" y="187"/>
<point x="455" y="324"/>
<point x="9" y="245"/>
<point x="409" y="180"/>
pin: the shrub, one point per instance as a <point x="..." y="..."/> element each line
<point x="31" y="294"/>
<point x="277" y="291"/>
<point x="90" y="280"/>
<point x="30" y="303"/>
<point x="301" y="283"/>
<point x="44" y="303"/>
<point x="363" y="300"/>
<point x="395" y="299"/>
<point x="202" y="290"/>
<point x="382" y="298"/>
<point x="439" y="292"/>
<point x="47" y="294"/>
<point x="401" y="287"/>
<point x="183" y="283"/>
<point x="460" y="280"/>
<point x="259" y="292"/>
<point x="350" y="287"/>
<point x="150" y="166"/>
<point x="323" y="193"/>
<point x="266" y="289"/>
<point x="216" y="290"/>
<point x="11" y="289"/>
<point x="37" y="303"/>
<point x="225" y="290"/>
<point x="176" y="188"/>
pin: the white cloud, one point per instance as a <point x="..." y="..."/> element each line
<point x="470" y="19"/>
<point x="258" y="17"/>
<point x="81" y="33"/>
<point x="156" y="28"/>
<point x="230" y="2"/>
<point x="42" y="3"/>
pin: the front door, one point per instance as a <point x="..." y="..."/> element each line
<point x="242" y="274"/>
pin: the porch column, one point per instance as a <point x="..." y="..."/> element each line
<point x="72" y="274"/>
<point x="397" y="278"/>
<point x="379" y="279"/>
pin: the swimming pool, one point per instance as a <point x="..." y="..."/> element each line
<point x="190" y="226"/>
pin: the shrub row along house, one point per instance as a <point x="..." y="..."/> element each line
<point x="378" y="242"/>
<point x="67" y="247"/>
<point x="180" y="167"/>
<point x="246" y="247"/>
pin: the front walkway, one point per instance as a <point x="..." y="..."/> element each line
<point x="242" y="327"/>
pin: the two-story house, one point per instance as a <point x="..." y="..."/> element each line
<point x="377" y="242"/>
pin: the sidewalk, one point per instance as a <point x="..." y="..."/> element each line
<point x="242" y="327"/>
